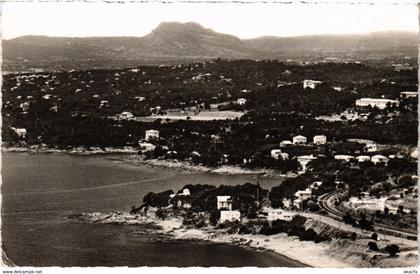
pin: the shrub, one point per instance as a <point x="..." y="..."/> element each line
<point x="392" y="249"/>
<point x="373" y="246"/>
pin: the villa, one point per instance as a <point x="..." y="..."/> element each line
<point x="346" y="158"/>
<point x="229" y="215"/>
<point x="320" y="139"/>
<point x="151" y="134"/>
<point x="299" y="139"/>
<point x="224" y="203"/>
<point x="379" y="159"/>
<point x="311" y="84"/>
<point x="375" y="102"/>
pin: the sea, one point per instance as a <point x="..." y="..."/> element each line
<point x="41" y="190"/>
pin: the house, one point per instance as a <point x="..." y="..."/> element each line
<point x="304" y="160"/>
<point x="346" y="158"/>
<point x="47" y="96"/>
<point x="279" y="214"/>
<point x="287" y="203"/>
<point x="224" y="203"/>
<point x="375" y="102"/>
<point x="126" y="115"/>
<point x="144" y="147"/>
<point x="241" y="101"/>
<point x="299" y="139"/>
<point x="402" y="67"/>
<point x="229" y="215"/>
<point x="277" y="154"/>
<point x="311" y="84"/>
<point x="285" y="143"/>
<point x="320" y="139"/>
<point x="371" y="203"/>
<point x="363" y="158"/>
<point x="298" y="203"/>
<point x="186" y="192"/>
<point x="409" y="94"/>
<point x="370" y="147"/>
<point x="214" y="107"/>
<point x="376" y="159"/>
<point x="315" y="185"/>
<point x="54" y="109"/>
<point x="21" y="132"/>
<point x="338" y="88"/>
<point x="25" y="106"/>
<point x="151" y="134"/>
<point x="304" y="194"/>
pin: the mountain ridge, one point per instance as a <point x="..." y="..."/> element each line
<point x="174" y="40"/>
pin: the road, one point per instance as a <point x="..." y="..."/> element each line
<point x="326" y="203"/>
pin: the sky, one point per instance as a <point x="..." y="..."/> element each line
<point x="81" y="19"/>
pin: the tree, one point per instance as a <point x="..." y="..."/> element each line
<point x="160" y="213"/>
<point x="373" y="246"/>
<point x="392" y="249"/>
<point x="214" y="216"/>
<point x="374" y="236"/>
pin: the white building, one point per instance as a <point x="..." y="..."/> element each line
<point x="299" y="139"/>
<point x="304" y="160"/>
<point x="315" y="185"/>
<point x="310" y="84"/>
<point x="375" y="102"/>
<point x="241" y="101"/>
<point x="376" y="159"/>
<point x="277" y="154"/>
<point x="151" y="134"/>
<point x="146" y="146"/>
<point x="279" y="214"/>
<point x="25" y="106"/>
<point x="20" y="132"/>
<point x="229" y="215"/>
<point x="371" y="147"/>
<point x="287" y="203"/>
<point x="409" y="94"/>
<point x="371" y="203"/>
<point x="285" y="143"/>
<point x="185" y="192"/>
<point x="320" y="139"/>
<point x="363" y="158"/>
<point x="224" y="203"/>
<point x="298" y="203"/>
<point x="304" y="194"/>
<point x="346" y="158"/>
<point x="126" y="115"/>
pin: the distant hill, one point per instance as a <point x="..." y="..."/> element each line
<point x="177" y="41"/>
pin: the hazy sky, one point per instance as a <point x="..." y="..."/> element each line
<point x="242" y="20"/>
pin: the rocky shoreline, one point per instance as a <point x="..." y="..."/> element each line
<point x="129" y="155"/>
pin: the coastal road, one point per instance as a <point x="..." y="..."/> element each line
<point x="346" y="227"/>
<point x="326" y="203"/>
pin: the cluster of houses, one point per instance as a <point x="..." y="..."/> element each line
<point x="379" y="103"/>
<point x="298" y="140"/>
<point x="300" y="197"/>
<point x="302" y="140"/>
<point x="376" y="159"/>
<point x="148" y="135"/>
<point x="312" y="84"/>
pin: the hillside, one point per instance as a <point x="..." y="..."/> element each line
<point x="191" y="41"/>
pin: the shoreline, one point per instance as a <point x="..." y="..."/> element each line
<point x="129" y="155"/>
<point x="304" y="253"/>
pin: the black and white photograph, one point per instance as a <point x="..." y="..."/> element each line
<point x="209" y="134"/>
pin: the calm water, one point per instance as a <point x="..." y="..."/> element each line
<point x="40" y="190"/>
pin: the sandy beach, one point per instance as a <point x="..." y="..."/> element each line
<point x="323" y="254"/>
